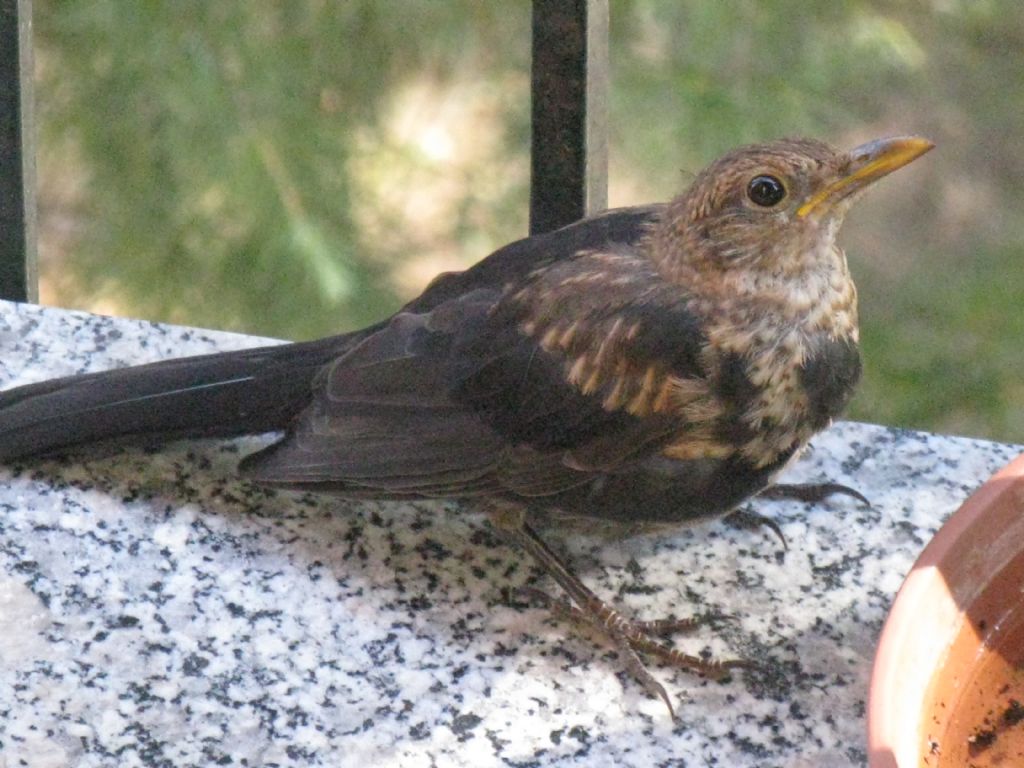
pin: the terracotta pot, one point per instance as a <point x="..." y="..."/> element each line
<point x="947" y="687"/>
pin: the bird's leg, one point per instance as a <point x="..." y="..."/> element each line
<point x="629" y="637"/>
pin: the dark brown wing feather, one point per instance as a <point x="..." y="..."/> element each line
<point x="382" y="418"/>
<point x="452" y="398"/>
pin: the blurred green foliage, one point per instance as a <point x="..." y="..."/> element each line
<point x="300" y="168"/>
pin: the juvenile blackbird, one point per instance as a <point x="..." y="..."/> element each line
<point x="646" y="366"/>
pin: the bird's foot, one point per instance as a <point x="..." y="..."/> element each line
<point x="812" y="492"/>
<point x="746" y="520"/>
<point x="632" y="638"/>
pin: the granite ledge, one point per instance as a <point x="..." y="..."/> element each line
<point x="156" y="611"/>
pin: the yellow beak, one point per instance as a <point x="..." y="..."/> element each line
<point x="868" y="163"/>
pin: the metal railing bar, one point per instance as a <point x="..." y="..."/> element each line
<point x="569" y="112"/>
<point x="569" y="116"/>
<point x="18" y="279"/>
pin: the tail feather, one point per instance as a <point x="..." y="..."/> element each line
<point x="224" y="394"/>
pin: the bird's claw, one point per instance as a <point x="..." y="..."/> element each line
<point x="812" y="493"/>
<point x="631" y="638"/>
<point x="746" y="520"/>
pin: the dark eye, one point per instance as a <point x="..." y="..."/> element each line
<point x="766" y="191"/>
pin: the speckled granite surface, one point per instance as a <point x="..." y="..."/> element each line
<point x="155" y="611"/>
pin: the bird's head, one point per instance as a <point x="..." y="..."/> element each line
<point x="772" y="211"/>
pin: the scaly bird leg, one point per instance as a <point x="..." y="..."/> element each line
<point x="629" y="637"/>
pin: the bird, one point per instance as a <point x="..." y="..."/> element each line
<point x="644" y="367"/>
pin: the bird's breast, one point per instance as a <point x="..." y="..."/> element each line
<point x="781" y="375"/>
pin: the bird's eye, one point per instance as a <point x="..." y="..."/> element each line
<point x="766" y="191"/>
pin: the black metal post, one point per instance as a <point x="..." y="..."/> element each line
<point x="569" y="153"/>
<point x="17" y="156"/>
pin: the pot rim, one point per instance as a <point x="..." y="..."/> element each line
<point x="974" y="545"/>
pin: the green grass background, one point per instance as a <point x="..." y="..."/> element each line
<point x="301" y="168"/>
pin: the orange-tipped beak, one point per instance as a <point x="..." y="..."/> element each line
<point x="868" y="163"/>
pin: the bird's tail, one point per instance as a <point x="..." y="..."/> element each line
<point x="218" y="395"/>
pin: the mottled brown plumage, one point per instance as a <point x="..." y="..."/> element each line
<point x="644" y="367"/>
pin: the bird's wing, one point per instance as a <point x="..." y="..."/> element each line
<point x="459" y="399"/>
<point x="512" y="263"/>
<point x="383" y="422"/>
